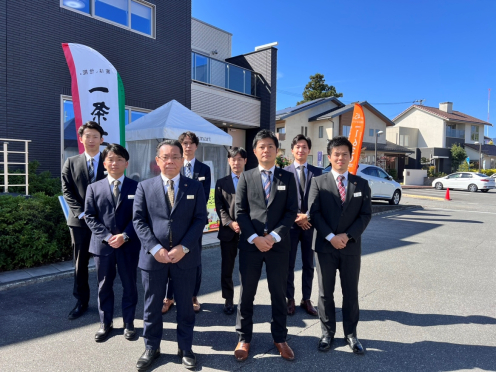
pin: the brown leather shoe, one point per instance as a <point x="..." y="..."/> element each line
<point x="291" y="306"/>
<point x="285" y="350"/>
<point x="307" y="305"/>
<point x="196" y="305"/>
<point x="167" y="305"/>
<point x="241" y="351"/>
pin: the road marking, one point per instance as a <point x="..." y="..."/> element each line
<point x="423" y="197"/>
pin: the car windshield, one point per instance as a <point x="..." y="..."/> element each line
<point x="480" y="174"/>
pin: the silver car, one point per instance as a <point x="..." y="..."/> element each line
<point x="470" y="181"/>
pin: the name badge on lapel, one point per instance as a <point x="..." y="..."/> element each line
<point x="130" y="196"/>
<point x="357" y="194"/>
<point x="201" y="178"/>
<point x="281" y="188"/>
<point x="190" y="197"/>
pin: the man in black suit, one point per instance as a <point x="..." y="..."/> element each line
<point x="109" y="215"/>
<point x="302" y="230"/>
<point x="340" y="210"/>
<point x="266" y="207"/>
<point x="169" y="217"/>
<point x="196" y="170"/>
<point x="79" y="171"/>
<point x="225" y="198"/>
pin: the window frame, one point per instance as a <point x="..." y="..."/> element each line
<point x="92" y="14"/>
<point x="473" y="133"/>
<point x="321" y="131"/>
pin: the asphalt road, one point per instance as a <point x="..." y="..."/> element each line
<point x="427" y="303"/>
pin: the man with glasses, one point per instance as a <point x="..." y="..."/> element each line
<point x="169" y="217"/>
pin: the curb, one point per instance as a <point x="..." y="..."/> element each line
<point x="423" y="197"/>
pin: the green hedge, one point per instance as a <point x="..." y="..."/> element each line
<point x="33" y="232"/>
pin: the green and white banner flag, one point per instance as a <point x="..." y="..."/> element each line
<point x="97" y="92"/>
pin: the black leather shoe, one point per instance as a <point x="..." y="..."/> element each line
<point x="103" y="333"/>
<point x="78" y="310"/>
<point x="129" y="332"/>
<point x="229" y="307"/>
<point x="147" y="358"/>
<point x="325" y="343"/>
<point x="354" y="344"/>
<point x="188" y="358"/>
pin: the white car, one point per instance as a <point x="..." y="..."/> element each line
<point x="382" y="185"/>
<point x="470" y="181"/>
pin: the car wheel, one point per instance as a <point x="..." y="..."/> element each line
<point x="486" y="190"/>
<point x="439" y="186"/>
<point x="395" y="200"/>
<point x="472" y="187"/>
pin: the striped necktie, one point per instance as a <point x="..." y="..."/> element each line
<point x="116" y="191"/>
<point x="266" y="184"/>
<point x="91" y="170"/>
<point x="342" y="190"/>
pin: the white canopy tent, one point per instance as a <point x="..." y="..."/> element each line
<point x="168" y="122"/>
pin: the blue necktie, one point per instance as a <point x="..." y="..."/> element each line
<point x="266" y="185"/>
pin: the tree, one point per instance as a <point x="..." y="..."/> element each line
<point x="458" y="156"/>
<point x="317" y="88"/>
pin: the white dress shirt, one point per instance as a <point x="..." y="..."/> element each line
<point x="192" y="162"/>
<point x="96" y="160"/>
<point x="273" y="233"/>
<point x="111" y="183"/>
<point x="345" y="183"/>
<point x="165" y="180"/>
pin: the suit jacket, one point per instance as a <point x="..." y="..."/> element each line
<point x="252" y="213"/>
<point x="201" y="173"/>
<point x="75" y="181"/>
<point x="328" y="216"/>
<point x="225" y="203"/>
<point x="103" y="217"/>
<point x="154" y="221"/>
<point x="303" y="202"/>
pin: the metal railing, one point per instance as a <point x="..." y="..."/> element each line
<point x="6" y="164"/>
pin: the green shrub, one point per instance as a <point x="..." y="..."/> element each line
<point x="38" y="182"/>
<point x="393" y="173"/>
<point x="33" y="232"/>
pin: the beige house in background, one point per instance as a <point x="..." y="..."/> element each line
<point x="325" y="118"/>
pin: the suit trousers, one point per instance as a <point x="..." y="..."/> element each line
<point x="154" y="284"/>
<point x="298" y="235"/>
<point x="250" y="270"/>
<point x="229" y="251"/>
<point x="349" y="272"/>
<point x="126" y="262"/>
<point x="81" y="237"/>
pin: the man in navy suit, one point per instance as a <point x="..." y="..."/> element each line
<point x="302" y="230"/>
<point x="196" y="170"/>
<point x="169" y="217"/>
<point x="109" y="215"/>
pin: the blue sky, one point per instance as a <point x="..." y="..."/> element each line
<point x="382" y="51"/>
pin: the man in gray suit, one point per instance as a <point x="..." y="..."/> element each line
<point x="79" y="171"/>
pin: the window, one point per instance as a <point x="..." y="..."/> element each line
<point x="454" y="175"/>
<point x="474" y="135"/>
<point x="136" y="15"/>
<point x="406" y="160"/>
<point x="69" y="135"/>
<point x="466" y="175"/>
<point x="370" y="171"/>
<point x="306" y="130"/>
<point x="281" y="130"/>
<point x="383" y="174"/>
<point x="371" y="132"/>
<point x="321" y="132"/>
<point x="346" y="130"/>
<point x="455" y="130"/>
<point x="403" y="140"/>
<point x="302" y="130"/>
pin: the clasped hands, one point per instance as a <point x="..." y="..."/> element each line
<point x="116" y="241"/>
<point x="339" y="241"/>
<point x="302" y="221"/>
<point x="173" y="256"/>
<point x="235" y="227"/>
<point x="264" y="243"/>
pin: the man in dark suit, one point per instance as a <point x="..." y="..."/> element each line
<point x="266" y="207"/>
<point x="109" y="215"/>
<point x="79" y="171"/>
<point x="225" y="198"/>
<point x="196" y="170"/>
<point x="340" y="210"/>
<point x="302" y="230"/>
<point x="169" y="217"/>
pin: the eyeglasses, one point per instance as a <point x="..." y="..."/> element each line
<point x="167" y="158"/>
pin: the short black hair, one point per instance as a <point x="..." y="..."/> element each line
<point x="191" y="135"/>
<point x="301" y="137"/>
<point x="116" y="149"/>
<point x="339" y="141"/>
<point x="170" y="143"/>
<point x="265" y="133"/>
<point x="231" y="153"/>
<point x="91" y="125"/>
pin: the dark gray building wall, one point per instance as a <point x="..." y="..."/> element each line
<point x="265" y="63"/>
<point x="153" y="71"/>
<point x="3" y="67"/>
<point x="451" y="141"/>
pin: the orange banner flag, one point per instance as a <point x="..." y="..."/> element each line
<point x="356" y="137"/>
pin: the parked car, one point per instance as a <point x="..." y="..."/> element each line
<point x="466" y="181"/>
<point x="382" y="185"/>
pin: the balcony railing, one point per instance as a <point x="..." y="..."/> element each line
<point x="222" y="74"/>
<point x="455" y="133"/>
